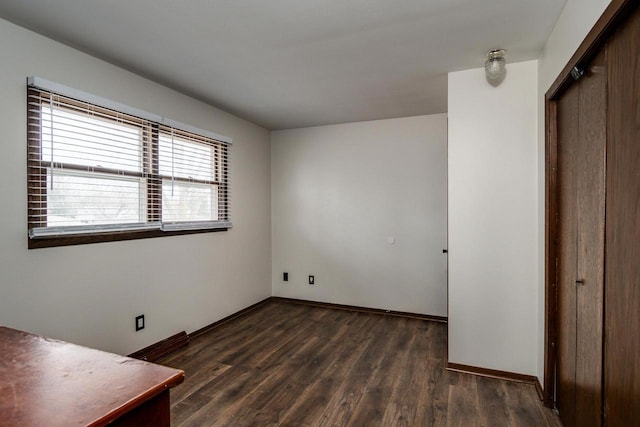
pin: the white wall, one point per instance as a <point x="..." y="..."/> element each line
<point x="493" y="220"/>
<point x="340" y="192"/>
<point x="90" y="294"/>
<point x="576" y="20"/>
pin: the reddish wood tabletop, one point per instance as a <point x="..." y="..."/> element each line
<point x="45" y="382"/>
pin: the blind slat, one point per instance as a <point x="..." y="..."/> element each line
<point x="93" y="170"/>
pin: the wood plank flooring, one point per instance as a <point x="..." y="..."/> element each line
<point x="287" y="364"/>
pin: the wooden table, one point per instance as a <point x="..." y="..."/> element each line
<point x="45" y="382"/>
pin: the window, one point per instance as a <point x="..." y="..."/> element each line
<point x="101" y="171"/>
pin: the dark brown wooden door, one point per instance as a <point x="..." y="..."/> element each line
<point x="581" y="174"/>
<point x="622" y="301"/>
<point x="567" y="253"/>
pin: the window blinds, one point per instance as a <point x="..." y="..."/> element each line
<point x="97" y="166"/>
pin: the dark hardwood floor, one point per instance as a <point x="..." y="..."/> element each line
<point x="287" y="364"/>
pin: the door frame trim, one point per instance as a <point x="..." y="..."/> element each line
<point x="614" y="15"/>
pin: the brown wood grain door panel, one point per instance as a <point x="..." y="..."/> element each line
<point x="567" y="253"/>
<point x="622" y="277"/>
<point x="581" y="204"/>
<point x="592" y="124"/>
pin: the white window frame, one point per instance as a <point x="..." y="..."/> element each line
<point x="152" y="225"/>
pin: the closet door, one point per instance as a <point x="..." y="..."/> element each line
<point x="567" y="253"/>
<point x="590" y="246"/>
<point x="581" y="174"/>
<point x="622" y="310"/>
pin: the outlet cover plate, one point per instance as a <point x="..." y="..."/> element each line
<point x="139" y="322"/>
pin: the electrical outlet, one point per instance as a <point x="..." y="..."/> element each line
<point x="285" y="277"/>
<point x="139" y="322"/>
<point x="312" y="280"/>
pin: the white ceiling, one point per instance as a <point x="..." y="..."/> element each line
<point x="296" y="63"/>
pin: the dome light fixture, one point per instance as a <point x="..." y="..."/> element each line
<point x="495" y="66"/>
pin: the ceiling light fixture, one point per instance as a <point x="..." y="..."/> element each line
<point x="495" y="66"/>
